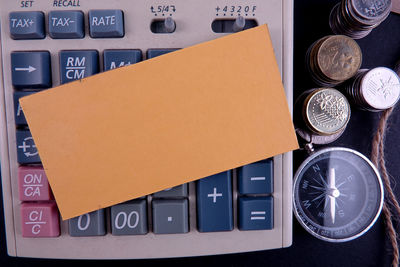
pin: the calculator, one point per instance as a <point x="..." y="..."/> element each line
<point x="48" y="43"/>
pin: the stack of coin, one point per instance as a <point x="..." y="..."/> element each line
<point x="333" y="59"/>
<point x="357" y="18"/>
<point x="376" y="89"/>
<point x="321" y="112"/>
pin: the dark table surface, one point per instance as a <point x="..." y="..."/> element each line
<point x="380" y="48"/>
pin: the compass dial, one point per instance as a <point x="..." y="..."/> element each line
<point x="338" y="194"/>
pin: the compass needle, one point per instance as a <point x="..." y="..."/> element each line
<point x="318" y="197"/>
<point x="317" y="187"/>
<point x="334" y="193"/>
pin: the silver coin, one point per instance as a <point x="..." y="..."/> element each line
<point x="380" y="88"/>
<point x="357" y="18"/>
<point x="371" y="9"/>
<point x="326" y="111"/>
<point x="316" y="139"/>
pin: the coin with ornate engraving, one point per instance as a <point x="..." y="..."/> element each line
<point x="326" y="111"/>
<point x="339" y="57"/>
<point x="371" y="9"/>
<point x="357" y="18"/>
<point x="374" y="90"/>
<point x="333" y="59"/>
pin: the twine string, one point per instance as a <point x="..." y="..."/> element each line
<point x="391" y="207"/>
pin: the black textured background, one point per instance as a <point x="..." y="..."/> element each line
<point x="380" y="48"/>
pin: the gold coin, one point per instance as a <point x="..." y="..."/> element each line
<point x="339" y="57"/>
<point x="326" y="111"/>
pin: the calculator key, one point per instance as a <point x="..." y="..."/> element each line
<point x="40" y="220"/>
<point x="33" y="184"/>
<point x="214" y="203"/>
<point x="158" y="52"/>
<point x="27" y="25"/>
<point x="89" y="224"/>
<point x="26" y="148"/>
<point x="174" y="192"/>
<point x="106" y="23"/>
<point x="31" y="69"/>
<point x="256" y="213"/>
<point x="118" y="58"/>
<point x="256" y="178"/>
<point x="129" y="218"/>
<point x="19" y="116"/>
<point x="78" y="64"/>
<point x="170" y="216"/>
<point x="66" y="24"/>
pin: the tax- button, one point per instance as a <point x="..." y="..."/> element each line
<point x="27" y="25"/>
<point x="66" y="24"/>
<point x="31" y="69"/>
<point x="256" y="178"/>
<point x="214" y="203"/>
<point x="106" y="23"/>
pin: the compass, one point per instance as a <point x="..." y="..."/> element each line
<point x="338" y="194"/>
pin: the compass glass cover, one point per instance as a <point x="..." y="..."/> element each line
<point x="338" y="194"/>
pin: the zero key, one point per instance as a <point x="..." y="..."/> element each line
<point x="31" y="69"/>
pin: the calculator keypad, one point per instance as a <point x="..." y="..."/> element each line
<point x="210" y="207"/>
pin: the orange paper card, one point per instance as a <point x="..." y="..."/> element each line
<point x="166" y="121"/>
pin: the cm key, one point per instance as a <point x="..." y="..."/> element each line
<point x="30" y="70"/>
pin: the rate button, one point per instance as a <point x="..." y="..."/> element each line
<point x="106" y="23"/>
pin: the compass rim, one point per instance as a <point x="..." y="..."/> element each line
<point x="295" y="181"/>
